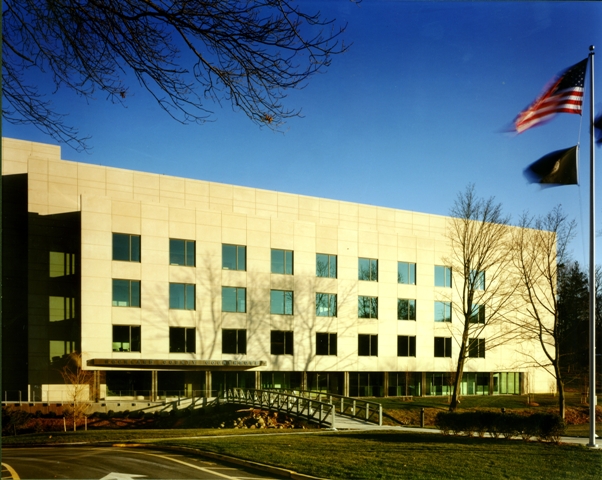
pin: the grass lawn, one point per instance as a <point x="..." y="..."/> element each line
<point x="381" y="455"/>
<point x="397" y="411"/>
<point x="367" y="455"/>
<point x="377" y="454"/>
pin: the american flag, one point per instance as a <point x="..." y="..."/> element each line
<point x="564" y="95"/>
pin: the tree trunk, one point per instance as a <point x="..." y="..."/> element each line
<point x="453" y="404"/>
<point x="560" y="389"/>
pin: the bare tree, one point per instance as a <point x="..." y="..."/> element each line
<point x="78" y="381"/>
<point x="540" y="251"/>
<point x="479" y="240"/>
<point x="183" y="52"/>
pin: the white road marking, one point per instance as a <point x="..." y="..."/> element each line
<point x="121" y="476"/>
<point x="206" y="470"/>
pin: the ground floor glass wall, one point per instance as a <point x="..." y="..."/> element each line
<point x="439" y="384"/>
<point x="475" y="384"/>
<point x="507" y="383"/>
<point x="327" y="382"/>
<point x="181" y="384"/>
<point x="221" y="381"/>
<point x="139" y="384"/>
<point x="405" y="384"/>
<point x="129" y="383"/>
<point x="366" y="384"/>
<point x="285" y="380"/>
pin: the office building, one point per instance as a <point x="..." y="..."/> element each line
<point x="168" y="285"/>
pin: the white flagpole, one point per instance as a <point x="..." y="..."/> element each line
<point x="592" y="267"/>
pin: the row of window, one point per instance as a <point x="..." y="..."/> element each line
<point x="127" y="338"/>
<point x="126" y="293"/>
<point x="126" y="247"/>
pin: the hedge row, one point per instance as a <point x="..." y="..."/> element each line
<point x="546" y="427"/>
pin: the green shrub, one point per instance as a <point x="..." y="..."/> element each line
<point x="492" y="422"/>
<point x="474" y="423"/>
<point x="443" y="422"/>
<point x="510" y="424"/>
<point x="546" y="427"/>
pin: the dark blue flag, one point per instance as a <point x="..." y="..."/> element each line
<point x="598" y="129"/>
<point x="556" y="168"/>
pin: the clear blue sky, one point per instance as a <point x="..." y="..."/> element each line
<point x="410" y="115"/>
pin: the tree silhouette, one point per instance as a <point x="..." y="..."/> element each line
<point x="479" y="240"/>
<point x="541" y="248"/>
<point x="185" y="53"/>
<point x="79" y="383"/>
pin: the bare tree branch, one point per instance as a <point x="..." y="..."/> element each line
<point x="185" y="53"/>
<point x="540" y="249"/>
<point x="79" y="385"/>
<point x="478" y="234"/>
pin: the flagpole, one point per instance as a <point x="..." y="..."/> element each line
<point x="593" y="399"/>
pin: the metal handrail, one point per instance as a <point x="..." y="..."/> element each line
<point x="299" y="406"/>
<point x="348" y="406"/>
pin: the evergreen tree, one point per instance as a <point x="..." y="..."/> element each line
<point x="573" y="321"/>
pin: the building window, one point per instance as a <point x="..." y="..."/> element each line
<point x="182" y="340"/>
<point x="443" y="312"/>
<point x="234" y="341"/>
<point x="61" y="264"/>
<point x="126" y="293"/>
<point x="181" y="252"/>
<point x="406" y="346"/>
<point x="281" y="302"/>
<point x="478" y="314"/>
<point x="59" y="348"/>
<point x="234" y="257"/>
<point x="476" y="347"/>
<point x="126" y="247"/>
<point x="443" y="276"/>
<point x="367" y="345"/>
<point x="234" y="299"/>
<point x="326" y="343"/>
<point x="406" y="309"/>
<point x="181" y="296"/>
<point x="443" y="347"/>
<point x="326" y="265"/>
<point x="367" y="307"/>
<point x="406" y="273"/>
<point x="282" y="261"/>
<point x="61" y="308"/>
<point x="477" y="279"/>
<point x="281" y="343"/>
<point x="126" y="338"/>
<point x="326" y="304"/>
<point x="368" y="269"/>
<point x="507" y="382"/>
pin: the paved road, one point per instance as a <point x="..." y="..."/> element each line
<point x="105" y="463"/>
